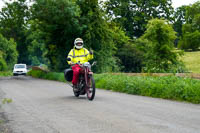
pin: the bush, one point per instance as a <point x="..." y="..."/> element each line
<point x="4" y="74"/>
<point x="3" y="65"/>
<point x="159" y="51"/>
<point x="47" y="75"/>
<point x="170" y="87"/>
<point x="131" y="58"/>
<point x="8" y="51"/>
<point x="190" y="41"/>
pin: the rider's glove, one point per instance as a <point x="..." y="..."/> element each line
<point x="91" y="51"/>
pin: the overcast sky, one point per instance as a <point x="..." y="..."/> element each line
<point x="176" y="3"/>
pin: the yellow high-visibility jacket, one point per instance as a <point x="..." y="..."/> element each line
<point x="81" y="55"/>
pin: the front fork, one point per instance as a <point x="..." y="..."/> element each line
<point x="87" y="78"/>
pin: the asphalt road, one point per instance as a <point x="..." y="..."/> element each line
<point x="42" y="106"/>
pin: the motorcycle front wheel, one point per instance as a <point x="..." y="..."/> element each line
<point x="76" y="94"/>
<point x="91" y="89"/>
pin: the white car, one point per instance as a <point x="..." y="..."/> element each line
<point x="19" y="69"/>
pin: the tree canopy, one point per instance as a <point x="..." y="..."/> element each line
<point x="127" y="36"/>
<point x="8" y="53"/>
<point x="160" y="55"/>
<point x="190" y="39"/>
<point x="133" y="15"/>
<point x="13" y="18"/>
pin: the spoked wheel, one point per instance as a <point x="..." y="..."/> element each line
<point x="91" y="90"/>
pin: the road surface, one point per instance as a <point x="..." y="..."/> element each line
<point x="42" y="106"/>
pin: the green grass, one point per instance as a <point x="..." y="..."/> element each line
<point x="4" y="74"/>
<point x="192" y="61"/>
<point x="47" y="75"/>
<point x="168" y="87"/>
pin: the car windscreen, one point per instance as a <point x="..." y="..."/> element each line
<point x="20" y="66"/>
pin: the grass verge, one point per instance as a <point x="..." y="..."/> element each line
<point x="4" y="74"/>
<point x="47" y="75"/>
<point x="192" y="61"/>
<point x="169" y="87"/>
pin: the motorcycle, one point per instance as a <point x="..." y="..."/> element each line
<point x="86" y="83"/>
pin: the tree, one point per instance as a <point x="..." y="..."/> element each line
<point x="133" y="15"/>
<point x="191" y="30"/>
<point x="180" y="19"/>
<point x="63" y="21"/>
<point x="35" y="42"/>
<point x="192" y="11"/>
<point x="190" y="41"/>
<point x="99" y="35"/>
<point x="160" y="55"/>
<point x="130" y="57"/>
<point x="58" y="20"/>
<point x="8" y="53"/>
<point x="13" y="18"/>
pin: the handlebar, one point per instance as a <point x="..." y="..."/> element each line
<point x="72" y="64"/>
<point x="78" y="63"/>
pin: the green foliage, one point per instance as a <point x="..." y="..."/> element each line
<point x="192" y="12"/>
<point x="190" y="41"/>
<point x="36" y="44"/>
<point x="191" y="30"/>
<point x="47" y="75"/>
<point x="12" y="20"/>
<point x="99" y="35"/>
<point x="59" y="21"/>
<point x="192" y="61"/>
<point x="7" y="101"/>
<point x="5" y="73"/>
<point x="170" y="87"/>
<point x="180" y="19"/>
<point x="175" y="88"/>
<point x="131" y="58"/>
<point x="3" y="65"/>
<point x="133" y="15"/>
<point x="8" y="53"/>
<point x="63" y="21"/>
<point x="45" y="33"/>
<point x="159" y="51"/>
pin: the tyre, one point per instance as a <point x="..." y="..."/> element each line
<point x="76" y="94"/>
<point x="91" y="90"/>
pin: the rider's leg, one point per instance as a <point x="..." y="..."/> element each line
<point x="76" y="70"/>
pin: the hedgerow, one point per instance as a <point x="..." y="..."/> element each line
<point x="168" y="87"/>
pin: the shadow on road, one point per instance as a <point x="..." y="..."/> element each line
<point x="20" y="77"/>
<point x="73" y="98"/>
<point x="66" y="99"/>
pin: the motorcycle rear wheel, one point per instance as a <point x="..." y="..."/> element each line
<point x="91" y="90"/>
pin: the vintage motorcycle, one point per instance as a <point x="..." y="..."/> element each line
<point x="86" y="83"/>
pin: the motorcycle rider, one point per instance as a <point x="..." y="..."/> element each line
<point x="78" y="54"/>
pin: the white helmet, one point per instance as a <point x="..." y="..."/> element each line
<point x="78" y="43"/>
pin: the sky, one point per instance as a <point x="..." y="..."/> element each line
<point x="176" y="3"/>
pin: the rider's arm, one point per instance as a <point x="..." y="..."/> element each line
<point x="89" y="56"/>
<point x="70" y="55"/>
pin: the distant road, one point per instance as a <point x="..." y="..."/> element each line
<point x="42" y="106"/>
